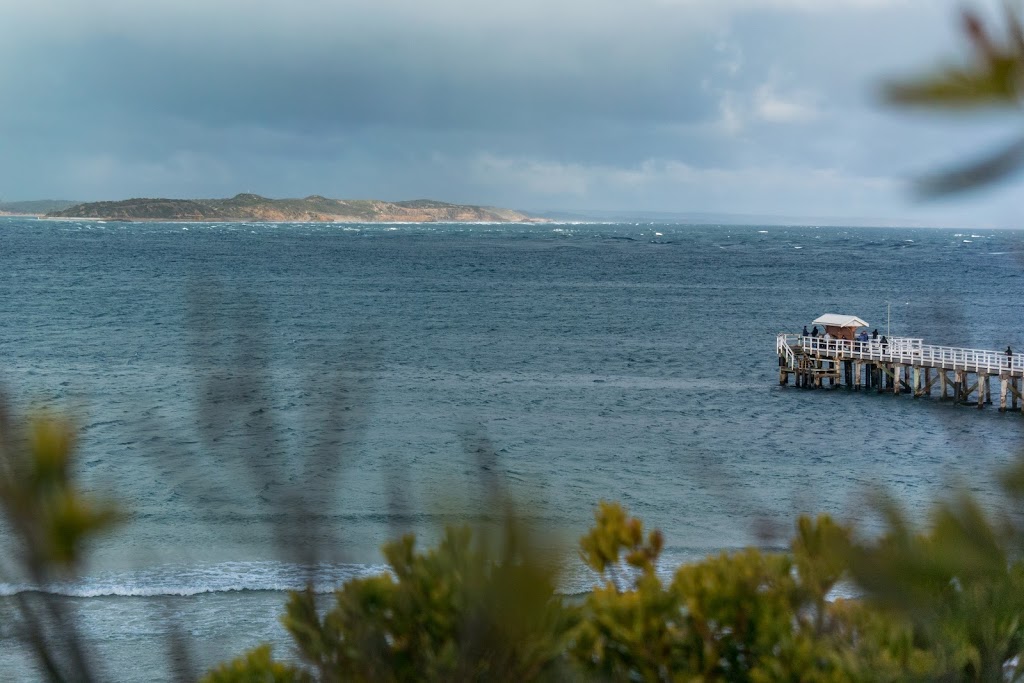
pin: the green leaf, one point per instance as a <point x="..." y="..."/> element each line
<point x="974" y="175"/>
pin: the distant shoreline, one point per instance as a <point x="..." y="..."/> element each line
<point x="91" y="219"/>
<point x="251" y="208"/>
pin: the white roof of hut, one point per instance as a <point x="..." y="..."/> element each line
<point x="836" y="320"/>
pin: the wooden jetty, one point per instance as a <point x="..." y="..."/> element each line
<point x="901" y="365"/>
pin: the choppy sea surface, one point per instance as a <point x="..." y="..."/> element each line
<point x="270" y="403"/>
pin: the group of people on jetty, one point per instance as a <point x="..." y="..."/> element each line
<point x="862" y="337"/>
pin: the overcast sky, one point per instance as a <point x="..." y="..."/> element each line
<point x="743" y="106"/>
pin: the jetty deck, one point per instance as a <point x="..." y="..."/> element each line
<point x="903" y="365"/>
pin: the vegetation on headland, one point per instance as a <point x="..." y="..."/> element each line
<point x="254" y="208"/>
<point x="35" y="207"/>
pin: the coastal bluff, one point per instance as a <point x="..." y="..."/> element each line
<point x="254" y="208"/>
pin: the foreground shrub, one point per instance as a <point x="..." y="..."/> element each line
<point x="746" y="615"/>
<point x="944" y="603"/>
<point x="458" y="612"/>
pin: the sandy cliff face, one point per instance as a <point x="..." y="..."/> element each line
<point x="250" y="207"/>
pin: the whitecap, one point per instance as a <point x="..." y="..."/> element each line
<point x="225" y="577"/>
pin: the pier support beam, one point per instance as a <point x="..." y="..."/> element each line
<point x="929" y="380"/>
<point x="1004" y="382"/>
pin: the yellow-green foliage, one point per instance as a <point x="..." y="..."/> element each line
<point x="957" y="586"/>
<point x="41" y="501"/>
<point x="458" y="612"/>
<point x="944" y="603"/>
<point x="257" y="666"/>
<point x="51" y="520"/>
<point x="875" y="645"/>
<point x="737" y="616"/>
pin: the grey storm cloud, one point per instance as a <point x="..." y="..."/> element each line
<point x="336" y="69"/>
<point x="751" y="105"/>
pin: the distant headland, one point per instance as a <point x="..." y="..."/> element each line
<point x="254" y="208"/>
<point x="36" y="207"/>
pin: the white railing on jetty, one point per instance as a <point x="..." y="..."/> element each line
<point x="784" y="349"/>
<point x="902" y="350"/>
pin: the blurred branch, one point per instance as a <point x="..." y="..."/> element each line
<point x="993" y="78"/>
<point x="51" y="520"/>
<point x="243" y="437"/>
<point x="984" y="171"/>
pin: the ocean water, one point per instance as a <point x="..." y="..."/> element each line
<point x="270" y="403"/>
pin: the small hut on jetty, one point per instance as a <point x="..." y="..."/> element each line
<point x="900" y="365"/>
<point x="840" y="326"/>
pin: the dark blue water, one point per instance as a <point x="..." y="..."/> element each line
<point x="266" y="398"/>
